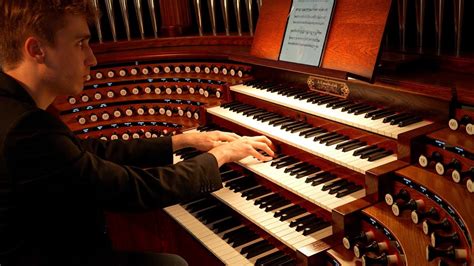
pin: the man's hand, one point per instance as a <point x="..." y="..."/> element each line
<point x="203" y="141"/>
<point x="243" y="147"/>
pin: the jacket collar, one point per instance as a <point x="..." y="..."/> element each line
<point x="11" y="88"/>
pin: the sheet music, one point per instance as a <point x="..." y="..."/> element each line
<point x="306" y="31"/>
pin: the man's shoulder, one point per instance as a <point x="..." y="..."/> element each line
<point x="20" y="117"/>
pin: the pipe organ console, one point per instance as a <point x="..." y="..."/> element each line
<point x="371" y="169"/>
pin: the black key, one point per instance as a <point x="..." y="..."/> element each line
<point x="259" y="250"/>
<point x="228" y="105"/>
<point x="308" y="223"/>
<point x="266" y="199"/>
<point x="308" y="172"/>
<point x="325" y="179"/>
<point x="215" y="216"/>
<point x="230" y="234"/>
<point x="319" y="137"/>
<point x="341" y="187"/>
<point x="348" y="191"/>
<point x="382" y="115"/>
<point x="275" y="205"/>
<point x="258" y="193"/>
<point x="243" y="183"/>
<point x="285" y="163"/>
<point x="341" y="104"/>
<point x="273" y="119"/>
<point x="333" y="184"/>
<point x="366" y="154"/>
<point x="207" y="212"/>
<point x="290" y="124"/>
<point x="380" y="155"/>
<point x="329" y="103"/>
<point x="279" y="261"/>
<point x="337" y="140"/>
<point x="410" y="121"/>
<point x="364" y="110"/>
<point x="330" y="138"/>
<point x="295" y="167"/>
<point x="277" y="119"/>
<point x="239" y="241"/>
<point x="281" y="122"/>
<point x="288" y="262"/>
<point x="375" y="112"/>
<point x="264" y="116"/>
<point x="286" y="210"/>
<point x="243" y="109"/>
<point x="294" y="92"/>
<point x="292" y="214"/>
<point x="302" y="169"/>
<point x="255" y="112"/>
<point x="236" y="105"/>
<point x="235" y="181"/>
<point x="362" y="150"/>
<point x="326" y="101"/>
<point x="317" y="176"/>
<point x="305" y="95"/>
<point x="322" y="98"/>
<point x="303" y="220"/>
<point x="201" y="205"/>
<point x="280" y="158"/>
<point x="354" y="146"/>
<point x="314" y="132"/>
<point x="250" y="247"/>
<point x="347" y="143"/>
<point x="225" y="225"/>
<point x="301" y="128"/>
<point x="284" y="91"/>
<point x="271" y="201"/>
<point x="269" y="258"/>
<point x="397" y="120"/>
<point x="316" y="98"/>
<point x="230" y="175"/>
<point x="252" y="190"/>
<point x="351" y="107"/>
<point x="360" y="107"/>
<point x="298" y="124"/>
<point x="394" y="116"/>
<point x="314" y="228"/>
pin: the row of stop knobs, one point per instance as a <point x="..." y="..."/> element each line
<point x="129" y="134"/>
<point x="465" y="121"/>
<point x="371" y="252"/>
<point x="150" y="89"/>
<point x="453" y="168"/>
<point x="443" y="238"/>
<point x="150" y="70"/>
<point x="191" y="113"/>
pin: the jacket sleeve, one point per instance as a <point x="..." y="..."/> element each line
<point x="58" y="164"/>
<point x="136" y="152"/>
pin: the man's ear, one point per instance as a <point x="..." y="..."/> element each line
<point x="34" y="50"/>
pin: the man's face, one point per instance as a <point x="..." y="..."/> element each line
<point x="68" y="60"/>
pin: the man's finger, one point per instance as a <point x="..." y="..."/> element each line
<point x="225" y="136"/>
<point x="262" y="146"/>
<point x="260" y="156"/>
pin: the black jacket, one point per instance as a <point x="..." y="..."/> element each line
<point x="54" y="187"/>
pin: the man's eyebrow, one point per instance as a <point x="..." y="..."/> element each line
<point x="83" y="36"/>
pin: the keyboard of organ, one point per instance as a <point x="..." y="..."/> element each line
<point x="328" y="141"/>
<point x="284" y="220"/>
<point x="365" y="116"/>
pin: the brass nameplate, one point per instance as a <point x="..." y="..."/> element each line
<point x="328" y="86"/>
